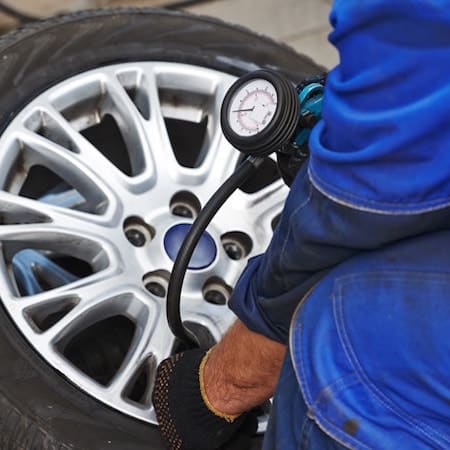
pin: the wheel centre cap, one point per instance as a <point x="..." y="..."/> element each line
<point x="204" y="254"/>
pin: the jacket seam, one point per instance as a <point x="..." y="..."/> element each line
<point x="379" y="207"/>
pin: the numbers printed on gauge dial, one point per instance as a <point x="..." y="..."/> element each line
<point x="252" y="107"/>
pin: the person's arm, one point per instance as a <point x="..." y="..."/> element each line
<point x="242" y="370"/>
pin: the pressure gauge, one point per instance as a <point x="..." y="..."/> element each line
<point x="260" y="113"/>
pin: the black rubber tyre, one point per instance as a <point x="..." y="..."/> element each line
<point x="39" y="408"/>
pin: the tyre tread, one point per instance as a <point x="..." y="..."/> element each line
<point x="20" y="432"/>
<point x="46" y="24"/>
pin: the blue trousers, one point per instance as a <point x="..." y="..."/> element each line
<point x="368" y="365"/>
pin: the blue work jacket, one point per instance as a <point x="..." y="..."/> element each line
<point x="379" y="169"/>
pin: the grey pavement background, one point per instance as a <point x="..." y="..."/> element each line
<point x="302" y="24"/>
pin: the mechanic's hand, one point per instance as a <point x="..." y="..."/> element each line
<point x="185" y="420"/>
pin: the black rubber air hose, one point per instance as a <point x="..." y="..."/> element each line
<point x="242" y="173"/>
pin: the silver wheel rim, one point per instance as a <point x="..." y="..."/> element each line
<point x="89" y="218"/>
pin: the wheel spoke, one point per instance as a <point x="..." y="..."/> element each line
<point x="216" y="318"/>
<point x="68" y="165"/>
<point x="28" y="233"/>
<point x="91" y="156"/>
<point x="221" y="158"/>
<point x="253" y="213"/>
<point x="46" y="235"/>
<point x="153" y="339"/>
<point x="220" y="161"/>
<point x="164" y="160"/>
<point x="162" y="339"/>
<point x="99" y="298"/>
<point x="16" y="209"/>
<point x="133" y="127"/>
<point x="261" y="207"/>
<point x="270" y="198"/>
<point x="49" y="237"/>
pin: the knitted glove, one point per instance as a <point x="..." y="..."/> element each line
<point x="185" y="420"/>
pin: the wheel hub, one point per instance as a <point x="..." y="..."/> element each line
<point x="204" y="254"/>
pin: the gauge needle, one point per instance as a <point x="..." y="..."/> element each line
<point x="244" y="110"/>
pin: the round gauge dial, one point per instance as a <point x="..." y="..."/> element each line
<point x="252" y="107"/>
<point x="260" y="112"/>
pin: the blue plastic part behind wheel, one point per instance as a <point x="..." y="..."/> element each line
<point x="30" y="266"/>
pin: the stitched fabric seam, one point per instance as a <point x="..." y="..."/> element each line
<point x="336" y="387"/>
<point x="415" y="208"/>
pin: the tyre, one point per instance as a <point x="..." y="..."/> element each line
<point x="110" y="139"/>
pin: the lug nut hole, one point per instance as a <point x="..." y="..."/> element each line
<point x="237" y="245"/>
<point x="215" y="297"/>
<point x="216" y="291"/>
<point x="182" y="211"/>
<point x="185" y="204"/>
<point x="156" y="288"/>
<point x="157" y="282"/>
<point x="234" y="250"/>
<point x="137" y="231"/>
<point x="136" y="237"/>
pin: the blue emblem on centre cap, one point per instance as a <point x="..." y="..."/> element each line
<point x="204" y="254"/>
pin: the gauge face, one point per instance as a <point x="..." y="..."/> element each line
<point x="252" y="107"/>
